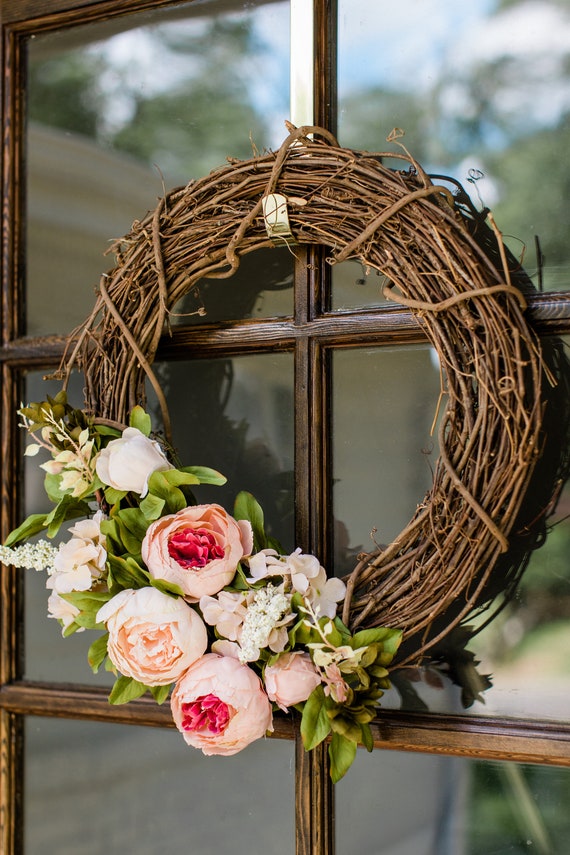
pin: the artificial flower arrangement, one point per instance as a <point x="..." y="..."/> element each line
<point x="192" y="603"/>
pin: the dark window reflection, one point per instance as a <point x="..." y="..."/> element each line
<point x="236" y="416"/>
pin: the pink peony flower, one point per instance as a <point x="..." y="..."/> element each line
<point x="291" y="679"/>
<point x="153" y="637"/>
<point x="128" y="462"/>
<point x="219" y="705"/>
<point x="198" y="549"/>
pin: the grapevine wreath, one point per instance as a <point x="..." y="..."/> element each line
<point x="443" y="260"/>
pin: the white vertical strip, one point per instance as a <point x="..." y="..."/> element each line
<point x="302" y="62"/>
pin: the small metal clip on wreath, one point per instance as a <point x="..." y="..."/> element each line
<point x="271" y="613"/>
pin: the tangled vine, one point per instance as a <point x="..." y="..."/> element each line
<point x="423" y="239"/>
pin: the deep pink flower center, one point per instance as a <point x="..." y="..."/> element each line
<point x="206" y="713"/>
<point x="193" y="547"/>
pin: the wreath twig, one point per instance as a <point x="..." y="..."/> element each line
<point x="429" y="246"/>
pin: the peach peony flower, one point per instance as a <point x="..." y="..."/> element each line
<point x="153" y="637"/>
<point x="128" y="462"/>
<point x="198" y="548"/>
<point x="219" y="705"/>
<point x="291" y="679"/>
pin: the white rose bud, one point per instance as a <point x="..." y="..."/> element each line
<point x="127" y="463"/>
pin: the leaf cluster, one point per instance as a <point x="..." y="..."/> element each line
<point x="366" y="677"/>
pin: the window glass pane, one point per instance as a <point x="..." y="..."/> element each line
<point x="526" y="647"/>
<point x="122" y="110"/>
<point x="482" y="91"/>
<point x="105" y="789"/>
<point x="261" y="287"/>
<point x="394" y="803"/>
<point x="381" y="471"/>
<point x="236" y="415"/>
<point x="381" y="464"/>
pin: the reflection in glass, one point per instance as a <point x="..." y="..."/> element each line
<point x="261" y="287"/>
<point x="105" y="789"/>
<point x="119" y="111"/>
<point x="48" y="655"/>
<point x="527" y="647"/>
<point x="515" y="666"/>
<point x="381" y="460"/>
<point x="412" y="804"/>
<point x="354" y="286"/>
<point x="236" y="415"/>
<point x="482" y="91"/>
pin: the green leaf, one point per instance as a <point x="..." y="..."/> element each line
<point x="68" y="509"/>
<point x="305" y="633"/>
<point x="88" y="603"/>
<point x="152" y="507"/>
<point x="113" y="496"/>
<point x="333" y="635"/>
<point x="166" y="587"/>
<point x="315" y="722"/>
<point x="97" y="652"/>
<point x="246" y="507"/>
<point x="389" y="638"/>
<point x="205" y="475"/>
<point x="126" y="689"/>
<point x="135" y="522"/>
<point x="343" y="630"/>
<point x="70" y="629"/>
<point x="160" y="693"/>
<point x="346" y="727"/>
<point x="140" y="420"/>
<point x="342" y="752"/>
<point x="31" y="525"/>
<point x="52" y="488"/>
<point x="106" y="430"/>
<point x="366" y="737"/>
<point x="125" y="572"/>
<point x="174" y="499"/>
<point x="179" y="478"/>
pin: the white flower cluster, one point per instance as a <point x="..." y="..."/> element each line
<point x="263" y="616"/>
<point x="249" y="621"/>
<point x="80" y="561"/>
<point x="303" y="574"/>
<point x="77" y="564"/>
<point x="30" y="556"/>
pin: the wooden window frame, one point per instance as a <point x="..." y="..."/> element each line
<point x="312" y="333"/>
